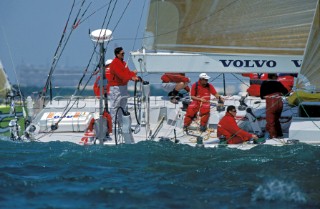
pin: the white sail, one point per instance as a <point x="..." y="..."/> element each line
<point x="226" y="36"/>
<point x="4" y="82"/>
<point x="311" y="63"/>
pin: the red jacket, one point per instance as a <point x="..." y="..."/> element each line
<point x="228" y="127"/>
<point x="174" y="77"/>
<point x="202" y="92"/>
<point x="96" y="85"/>
<point x="120" y="73"/>
<point x="287" y="81"/>
<point x="255" y="82"/>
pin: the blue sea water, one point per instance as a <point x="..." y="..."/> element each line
<point x="157" y="175"/>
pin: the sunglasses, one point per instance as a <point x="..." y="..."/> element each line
<point x="233" y="111"/>
<point x="122" y="53"/>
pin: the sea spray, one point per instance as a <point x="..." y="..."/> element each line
<point x="279" y="190"/>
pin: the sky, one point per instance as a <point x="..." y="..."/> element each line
<point x="30" y="31"/>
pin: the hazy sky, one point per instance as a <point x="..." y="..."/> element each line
<point x="30" y="30"/>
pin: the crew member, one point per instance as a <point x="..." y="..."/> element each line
<point x="120" y="76"/>
<point x="201" y="92"/>
<point x="173" y="83"/>
<point x="272" y="90"/>
<point x="255" y="82"/>
<point x="96" y="85"/>
<point x="229" y="130"/>
<point x="287" y="80"/>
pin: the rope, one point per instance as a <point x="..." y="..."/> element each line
<point x="56" y="56"/>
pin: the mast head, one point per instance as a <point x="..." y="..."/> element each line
<point x="101" y="35"/>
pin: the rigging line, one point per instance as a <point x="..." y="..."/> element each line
<point x="85" y="11"/>
<point x="122" y="14"/>
<point x="94" y="50"/>
<point x="65" y="44"/>
<point x="113" y="9"/>
<point x="79" y="84"/>
<point x="76" y="21"/>
<point x="122" y="17"/>
<point x="67" y="108"/>
<point x="94" y="12"/>
<point x="96" y="44"/>
<point x="44" y="91"/>
<point x="239" y="79"/>
<point x="12" y="62"/>
<point x="134" y="43"/>
<point x="69" y="35"/>
<point x="213" y="79"/>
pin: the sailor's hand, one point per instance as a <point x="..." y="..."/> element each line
<point x="135" y="71"/>
<point x="221" y="99"/>
<point x="135" y="78"/>
<point x="255" y="136"/>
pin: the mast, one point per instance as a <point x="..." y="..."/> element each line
<point x="100" y="36"/>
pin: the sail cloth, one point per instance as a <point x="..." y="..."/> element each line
<point x="230" y="26"/>
<point x="226" y="36"/>
<point x="4" y="82"/>
<point x="311" y="63"/>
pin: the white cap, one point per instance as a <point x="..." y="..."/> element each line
<point x="204" y="75"/>
<point x="108" y="62"/>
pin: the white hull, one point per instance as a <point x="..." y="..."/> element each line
<point x="165" y="123"/>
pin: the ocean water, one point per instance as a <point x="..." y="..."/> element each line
<point x="157" y="175"/>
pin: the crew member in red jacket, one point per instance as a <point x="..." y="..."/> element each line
<point x="173" y="83"/>
<point x="201" y="92"/>
<point x="287" y="80"/>
<point x="255" y="82"/>
<point x="273" y="90"/>
<point x="120" y="75"/>
<point x="96" y="85"/>
<point x="230" y="131"/>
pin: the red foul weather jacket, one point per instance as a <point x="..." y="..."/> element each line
<point x="287" y="81"/>
<point x="255" y="82"/>
<point x="204" y="108"/>
<point x="229" y="128"/>
<point x="96" y="85"/>
<point x="174" y="77"/>
<point x="202" y="92"/>
<point x="120" y="73"/>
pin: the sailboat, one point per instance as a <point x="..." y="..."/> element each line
<point x="240" y="37"/>
<point x="11" y="115"/>
<point x="220" y="36"/>
<point x="4" y="83"/>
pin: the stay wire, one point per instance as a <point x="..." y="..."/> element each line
<point x="135" y="38"/>
<point x="69" y="35"/>
<point x="44" y="90"/>
<point x="94" y="51"/>
<point x="67" y="109"/>
<point x="74" y="26"/>
<point x="78" y="88"/>
<point x="14" y="69"/>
